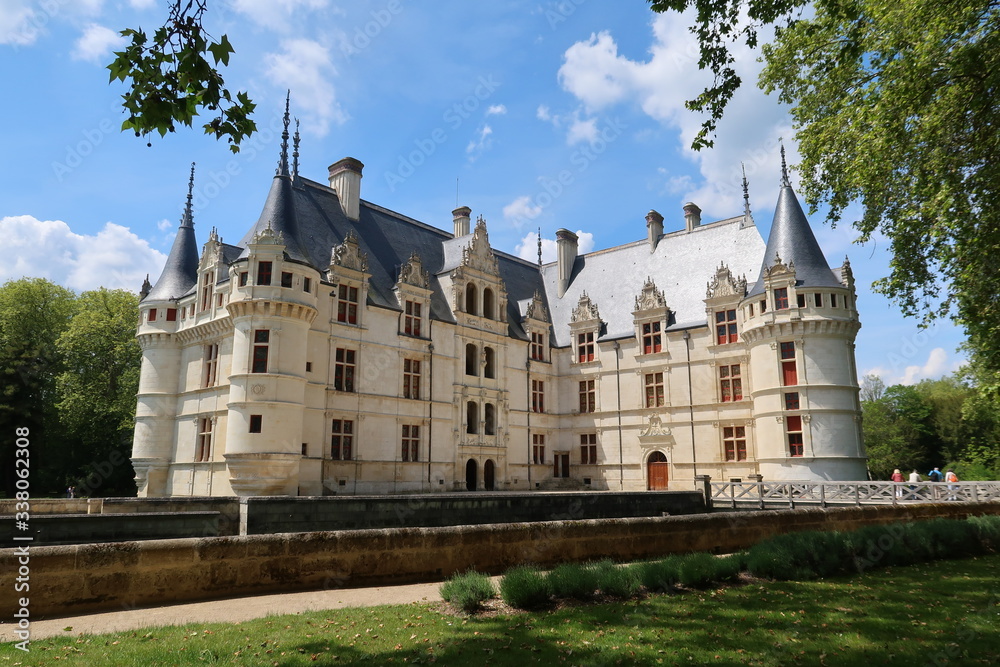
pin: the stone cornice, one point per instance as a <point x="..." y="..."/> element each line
<point x="266" y="308"/>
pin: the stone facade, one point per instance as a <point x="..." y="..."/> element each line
<point x="344" y="348"/>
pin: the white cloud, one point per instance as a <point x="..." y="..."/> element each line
<point x="600" y="77"/>
<point x="496" y="110"/>
<point x="305" y="68"/>
<point x="582" y="130"/>
<point x="141" y="4"/>
<point x="528" y="247"/>
<point x="115" y="257"/>
<point x="164" y="225"/>
<point x="96" y="43"/>
<point x="520" y="210"/>
<point x="19" y="23"/>
<point x="275" y="14"/>
<point x="543" y="113"/>
<point x="937" y="365"/>
<point x="480" y="143"/>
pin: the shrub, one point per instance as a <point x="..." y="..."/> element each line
<point x="621" y="582"/>
<point x="697" y="570"/>
<point x="660" y="575"/>
<point x="804" y="555"/>
<point x="524" y="587"/>
<point x="573" y="580"/>
<point x="728" y="568"/>
<point x="987" y="531"/>
<point x="468" y="590"/>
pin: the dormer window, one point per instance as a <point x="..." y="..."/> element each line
<point x="347" y="304"/>
<point x="207" y="282"/>
<point x="585" y="326"/>
<point x="471" y="306"/>
<point x="781" y="298"/>
<point x="263" y="273"/>
<point x="537" y="346"/>
<point x="651" y="338"/>
<point x="725" y="326"/>
<point x="412" y="318"/>
<point x="585" y="347"/>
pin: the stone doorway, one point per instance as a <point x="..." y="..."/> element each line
<point x="489" y="471"/>
<point x="471" y="475"/>
<point x="657" y="472"/>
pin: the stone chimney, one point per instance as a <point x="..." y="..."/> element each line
<point x="692" y="216"/>
<point x="345" y="179"/>
<point x="566" y="247"/>
<point x="462" y="216"/>
<point x="654" y="229"/>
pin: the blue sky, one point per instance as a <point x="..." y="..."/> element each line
<point x="535" y="114"/>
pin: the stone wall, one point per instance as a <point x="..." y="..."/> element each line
<point x="49" y="529"/>
<point x="74" y="579"/>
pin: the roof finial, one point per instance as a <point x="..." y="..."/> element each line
<point x="747" y="217"/>
<point x="188" y="219"/>
<point x="784" y="168"/>
<point x="283" y="160"/>
<point x="295" y="151"/>
<point x="539" y="246"/>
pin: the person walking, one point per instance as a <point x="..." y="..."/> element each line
<point x="952" y="478"/>
<point x="914" y="481"/>
<point x="935" y="475"/>
<point x="897" y="477"/>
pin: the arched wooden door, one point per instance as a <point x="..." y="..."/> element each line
<point x="471" y="475"/>
<point x="657" y="472"/>
<point x="489" y="471"/>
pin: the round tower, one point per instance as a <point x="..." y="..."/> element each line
<point x="800" y="323"/>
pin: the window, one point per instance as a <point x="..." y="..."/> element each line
<point x="411" y="378"/>
<point x="763" y="306"/>
<point x="307" y="284"/>
<point x="263" y="273"/>
<point x="560" y="464"/>
<point x="471" y="360"/>
<point x="309" y="367"/>
<point x="207" y="283"/>
<point x="203" y="452"/>
<point x="286" y="279"/>
<point x="488" y="303"/>
<point x="218" y="300"/>
<point x="725" y="326"/>
<point x="734" y="439"/>
<point x="751" y="310"/>
<point x="792" y="400"/>
<point x="781" y="298"/>
<point x="490" y="419"/>
<point x="819" y="300"/>
<point x="411" y="442"/>
<point x="211" y="365"/>
<point x="793" y="425"/>
<point x="588" y="396"/>
<point x="256" y="423"/>
<point x="342" y="440"/>
<point x="800" y="300"/>
<point x="585" y="347"/>
<point x="151" y="316"/>
<point x="347" y="304"/>
<point x="411" y="319"/>
<point x="261" y="341"/>
<point x="654" y="390"/>
<point x="343" y="369"/>
<point x="305" y="449"/>
<point x="171" y="314"/>
<point x="789" y="372"/>
<point x="472" y="417"/>
<point x="470" y="299"/>
<point x="243" y="278"/>
<point x="489" y="362"/>
<point x="588" y="448"/>
<point x="538" y="346"/>
<point x="730" y="383"/>
<point x="538" y="448"/>
<point x="833" y="300"/>
<point x="651" y="338"/>
<point x="537" y="396"/>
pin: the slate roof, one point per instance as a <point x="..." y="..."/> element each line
<point x="180" y="272"/>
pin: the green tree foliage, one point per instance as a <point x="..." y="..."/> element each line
<point x="171" y="79"/>
<point x="33" y="314"/>
<point x="898" y="431"/>
<point x="894" y="107"/>
<point x="97" y="390"/>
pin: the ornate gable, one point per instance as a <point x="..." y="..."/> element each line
<point x="211" y="252"/>
<point x="585" y="311"/>
<point x="349" y="255"/>
<point x="847" y="274"/>
<point x="725" y="284"/>
<point x="779" y="269"/>
<point x="536" y="309"/>
<point x="268" y="236"/>
<point x="478" y="254"/>
<point x="413" y="272"/>
<point x="651" y="297"/>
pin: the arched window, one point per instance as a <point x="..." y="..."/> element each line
<point x="472" y="417"/>
<point x="488" y="304"/>
<point x="489" y="365"/>
<point x="471" y="307"/>
<point x="471" y="360"/>
<point x="490" y="419"/>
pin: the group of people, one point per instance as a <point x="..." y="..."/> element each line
<point x="934" y="475"/>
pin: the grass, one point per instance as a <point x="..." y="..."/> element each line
<point x="934" y="613"/>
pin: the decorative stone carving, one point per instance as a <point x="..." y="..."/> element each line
<point x="349" y="255"/>
<point x="779" y="269"/>
<point x="651" y="298"/>
<point x="725" y="284"/>
<point x="654" y="427"/>
<point x="585" y="310"/>
<point x="413" y="272"/>
<point x="268" y="237"/>
<point x="536" y="309"/>
<point x="478" y="254"/>
<point x="847" y="274"/>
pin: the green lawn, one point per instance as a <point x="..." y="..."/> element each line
<point x="946" y="612"/>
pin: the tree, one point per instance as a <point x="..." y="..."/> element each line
<point x="893" y="105"/>
<point x="98" y="387"/>
<point x="171" y="79"/>
<point x="872" y="388"/>
<point x="897" y="431"/>
<point x="33" y="314"/>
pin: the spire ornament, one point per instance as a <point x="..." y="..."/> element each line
<point x="188" y="219"/>
<point x="747" y="216"/>
<point x="784" y="169"/>
<point x="539" y="246"/>
<point x="283" y="160"/>
<point x="295" y="151"/>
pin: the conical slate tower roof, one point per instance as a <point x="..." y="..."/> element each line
<point x="180" y="273"/>
<point x="792" y="240"/>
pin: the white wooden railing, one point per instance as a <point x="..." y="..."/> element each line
<point x="792" y="494"/>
